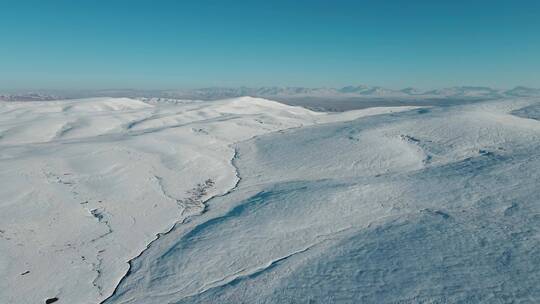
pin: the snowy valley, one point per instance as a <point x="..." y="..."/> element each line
<point x="118" y="200"/>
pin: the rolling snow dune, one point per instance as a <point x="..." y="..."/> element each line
<point x="437" y="205"/>
<point x="87" y="184"/>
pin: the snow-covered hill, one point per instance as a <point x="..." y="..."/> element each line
<point x="433" y="205"/>
<point x="87" y="184"/>
<point x="273" y="203"/>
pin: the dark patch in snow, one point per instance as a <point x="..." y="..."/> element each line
<point x="101" y="216"/>
<point x="511" y="210"/>
<point x="195" y="196"/>
<point x="409" y="139"/>
<point x="440" y="213"/>
<point x="485" y="152"/>
<point x="506" y="258"/>
<point x="97" y="214"/>
<point x="200" y="131"/>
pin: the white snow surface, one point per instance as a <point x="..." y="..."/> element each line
<point x="438" y="205"/>
<point x="86" y="185"/>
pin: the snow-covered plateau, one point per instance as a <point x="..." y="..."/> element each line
<point x="247" y="200"/>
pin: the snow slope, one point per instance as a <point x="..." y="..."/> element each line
<point x="87" y="184"/>
<point x="436" y="205"/>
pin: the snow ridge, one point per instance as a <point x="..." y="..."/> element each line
<point x="416" y="206"/>
<point x="108" y="176"/>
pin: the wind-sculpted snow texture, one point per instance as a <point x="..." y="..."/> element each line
<point x="437" y="205"/>
<point x="87" y="184"/>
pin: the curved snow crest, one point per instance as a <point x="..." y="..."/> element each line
<point x="90" y="183"/>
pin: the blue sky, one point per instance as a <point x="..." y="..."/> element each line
<point x="182" y="44"/>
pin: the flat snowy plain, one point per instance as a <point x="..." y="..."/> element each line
<point x="273" y="203"/>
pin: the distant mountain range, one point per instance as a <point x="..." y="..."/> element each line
<point x="28" y="97"/>
<point x="359" y="91"/>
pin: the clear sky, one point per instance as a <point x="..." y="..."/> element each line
<point x="72" y="44"/>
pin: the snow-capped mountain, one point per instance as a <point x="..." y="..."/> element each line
<point x="466" y="91"/>
<point x="412" y="91"/>
<point x="356" y="91"/>
<point x="28" y="97"/>
<point x="523" y="92"/>
<point x="285" y="93"/>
